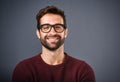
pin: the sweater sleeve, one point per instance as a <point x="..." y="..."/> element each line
<point x="88" y="74"/>
<point x="21" y="73"/>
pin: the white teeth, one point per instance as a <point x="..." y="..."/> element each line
<point x="52" y="38"/>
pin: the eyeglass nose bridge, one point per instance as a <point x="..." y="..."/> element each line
<point x="52" y="26"/>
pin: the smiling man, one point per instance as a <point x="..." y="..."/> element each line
<point x="52" y="64"/>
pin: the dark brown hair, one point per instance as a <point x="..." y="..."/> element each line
<point x="52" y="10"/>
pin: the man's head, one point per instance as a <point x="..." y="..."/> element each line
<point x="52" y="10"/>
<point x="51" y="27"/>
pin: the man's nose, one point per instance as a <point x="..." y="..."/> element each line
<point x="53" y="30"/>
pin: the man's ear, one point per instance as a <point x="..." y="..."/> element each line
<point x="66" y="32"/>
<point x="38" y="33"/>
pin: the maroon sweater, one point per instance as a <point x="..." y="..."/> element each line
<point x="36" y="70"/>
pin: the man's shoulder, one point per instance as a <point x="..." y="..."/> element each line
<point x="77" y="62"/>
<point x="74" y="59"/>
<point x="82" y="68"/>
<point x="30" y="60"/>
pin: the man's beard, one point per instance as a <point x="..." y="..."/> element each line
<point x="57" y="44"/>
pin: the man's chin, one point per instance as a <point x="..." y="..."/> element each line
<point x="52" y="48"/>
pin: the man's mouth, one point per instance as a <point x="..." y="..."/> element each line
<point x="52" y="39"/>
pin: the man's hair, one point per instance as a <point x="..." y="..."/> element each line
<point x="51" y="10"/>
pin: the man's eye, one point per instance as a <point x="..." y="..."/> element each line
<point x="45" y="27"/>
<point x="58" y="27"/>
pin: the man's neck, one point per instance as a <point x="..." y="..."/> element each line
<point x="53" y="57"/>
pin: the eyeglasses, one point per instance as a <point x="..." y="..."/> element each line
<point x="57" y="27"/>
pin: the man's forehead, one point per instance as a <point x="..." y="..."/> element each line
<point x="51" y="18"/>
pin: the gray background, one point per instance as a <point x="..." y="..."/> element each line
<point x="94" y="29"/>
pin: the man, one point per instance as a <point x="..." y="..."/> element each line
<point x="52" y="64"/>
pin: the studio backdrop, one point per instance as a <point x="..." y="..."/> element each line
<point x="94" y="34"/>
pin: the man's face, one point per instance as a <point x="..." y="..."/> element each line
<point x="52" y="40"/>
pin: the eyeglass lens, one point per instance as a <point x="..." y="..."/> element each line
<point x="57" y="27"/>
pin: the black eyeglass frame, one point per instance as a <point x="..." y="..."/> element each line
<point x="52" y="26"/>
